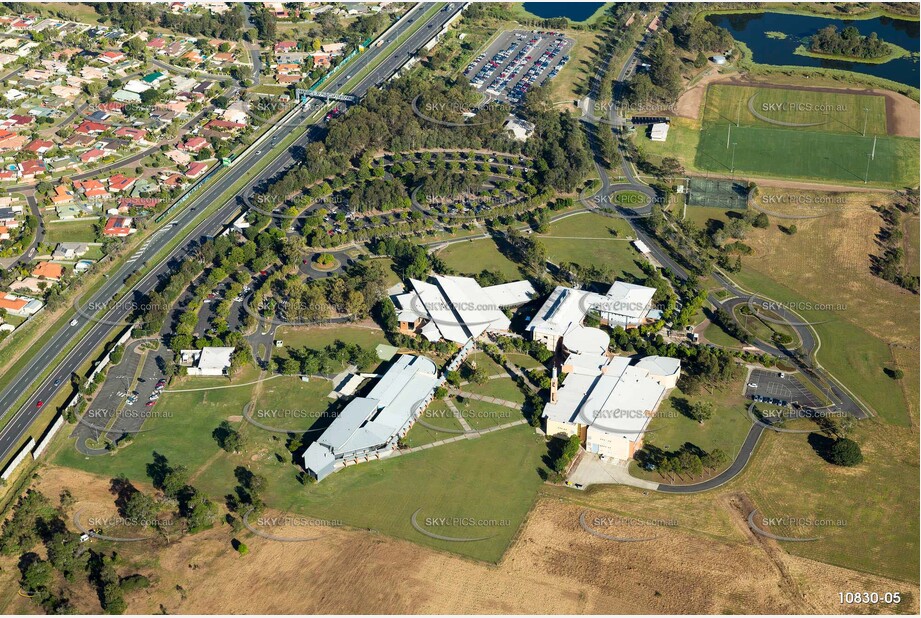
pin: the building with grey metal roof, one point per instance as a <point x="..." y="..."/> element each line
<point x="369" y="427"/>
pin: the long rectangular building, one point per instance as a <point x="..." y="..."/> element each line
<point x="369" y="427"/>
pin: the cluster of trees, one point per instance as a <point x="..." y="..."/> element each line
<point x="689" y="459"/>
<point x="411" y="260"/>
<point x="724" y="320"/>
<point x="353" y="294"/>
<point x="564" y="454"/>
<point x="890" y="265"/>
<point x="526" y="250"/>
<point x="329" y="360"/>
<point x="378" y="195"/>
<point x="662" y="82"/>
<point x="133" y="17"/>
<point x="848" y="42"/>
<point x="228" y="438"/>
<point x="385" y="121"/>
<point x="36" y="520"/>
<point x="706" y="368"/>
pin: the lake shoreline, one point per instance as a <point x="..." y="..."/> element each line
<point x="872" y="14"/>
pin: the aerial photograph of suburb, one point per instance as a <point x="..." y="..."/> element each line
<point x="467" y="308"/>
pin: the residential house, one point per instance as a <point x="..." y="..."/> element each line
<point x="118" y="227"/>
<point x="48" y="270"/>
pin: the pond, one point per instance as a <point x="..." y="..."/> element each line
<point x="574" y="11"/>
<point x="753" y="29"/>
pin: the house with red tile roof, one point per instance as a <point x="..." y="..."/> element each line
<point x="31" y="168"/>
<point x="194" y="144"/>
<point x="88" y="126"/>
<point x="39" y="146"/>
<point x="196" y="169"/>
<point x="285" y="46"/>
<point x="93" y="155"/>
<point x="173" y="181"/>
<point x="62" y="195"/>
<point x="48" y="270"/>
<point x="120" y="182"/>
<point x="224" y="124"/>
<point x="135" y="135"/>
<point x="19" y="121"/>
<point x="12" y="141"/>
<point x="156" y="43"/>
<point x="118" y="227"/>
<point x="91" y="188"/>
<point x="8" y="175"/>
<point x="111" y="57"/>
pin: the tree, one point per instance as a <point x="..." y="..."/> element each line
<point x="175" y="480"/>
<point x="845" y="452"/>
<point x="65" y="553"/>
<point x="37" y="577"/>
<point x="140" y="508"/>
<point x="701" y="411"/>
<point x="229" y="438"/>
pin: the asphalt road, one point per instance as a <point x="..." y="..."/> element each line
<point x="31" y="250"/>
<point x="838" y="395"/>
<point x="182" y="227"/>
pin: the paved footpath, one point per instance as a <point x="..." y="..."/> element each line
<point x="460" y="417"/>
<point x="495" y="400"/>
<point x="464" y="436"/>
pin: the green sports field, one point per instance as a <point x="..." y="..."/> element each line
<point x="834" y="150"/>
<point x="837" y="112"/>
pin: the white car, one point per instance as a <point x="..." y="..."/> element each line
<point x="752" y="385"/>
<point x="73" y="322"/>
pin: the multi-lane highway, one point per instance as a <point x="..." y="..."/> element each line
<point x="391" y="56"/>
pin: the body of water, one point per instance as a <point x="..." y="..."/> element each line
<point x="751" y="29"/>
<point x="574" y="11"/>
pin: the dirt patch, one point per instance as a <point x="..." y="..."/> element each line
<point x="555" y="566"/>
<point x="691" y="101"/>
<point x="903" y="115"/>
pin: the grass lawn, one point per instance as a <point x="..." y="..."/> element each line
<point x="70" y="231"/>
<point x="571" y="82"/>
<point x="476" y="255"/>
<point x="788" y="479"/>
<point x="501" y="388"/>
<point x="681" y="143"/>
<point x="586" y="239"/>
<point x="591" y="225"/>
<point x="489" y="365"/>
<point x="705" y="216"/>
<point x="715" y="334"/>
<point x="838" y="112"/>
<point x="826" y="266"/>
<point x="288" y="403"/>
<point x="525" y="361"/>
<point x="670" y="428"/>
<point x="792" y="153"/>
<point x="483" y="415"/>
<point x="492" y="479"/>
<point x="437" y="415"/>
<point x="181" y="430"/>
<point x="764" y="329"/>
<point x="316" y="338"/>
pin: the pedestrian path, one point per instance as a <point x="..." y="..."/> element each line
<point x="464" y="436"/>
<point x="487" y="399"/>
<point x="460" y="418"/>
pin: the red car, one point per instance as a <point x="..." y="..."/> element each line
<point x="39" y="403"/>
<point x="150" y="403"/>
